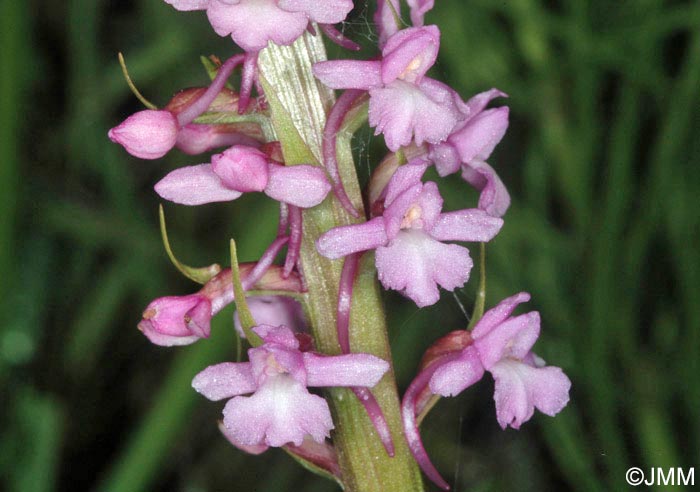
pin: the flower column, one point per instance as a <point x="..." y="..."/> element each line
<point x="298" y="106"/>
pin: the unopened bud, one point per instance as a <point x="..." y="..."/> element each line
<point x="148" y="134"/>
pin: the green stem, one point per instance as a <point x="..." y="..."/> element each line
<point x="480" y="302"/>
<point x="298" y="108"/>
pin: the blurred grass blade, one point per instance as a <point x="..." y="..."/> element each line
<point x="148" y="449"/>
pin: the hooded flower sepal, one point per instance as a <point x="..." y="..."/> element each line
<point x="280" y="410"/>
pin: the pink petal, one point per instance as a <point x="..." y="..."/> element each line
<point x="404" y="178"/>
<point x="401" y="212"/>
<point x="478" y="102"/>
<point x="520" y="388"/>
<point x="415" y="264"/>
<point x="189" y="4"/>
<point x="481" y="134"/>
<point x="349" y="74"/>
<point x="385" y="19"/>
<point x="455" y="376"/>
<point x="253" y="23"/>
<point x="224" y="380"/>
<point x="466" y="225"/>
<point x="164" y="340"/>
<point x="194" y="185"/>
<point x="445" y="157"/>
<point x="494" y="198"/>
<point x="302" y="186"/>
<point x="254" y="450"/>
<point x="403" y="111"/>
<point x="511" y="339"/>
<point x="242" y="168"/>
<point x="418" y="10"/>
<point x="344" y="370"/>
<point x="344" y="240"/>
<point x="177" y="320"/>
<point x="279" y="412"/>
<point x="409" y="53"/>
<point x="430" y="204"/>
<point x="148" y="134"/>
<point x="496" y="315"/>
<point x="277" y="334"/>
<point x="323" y="12"/>
<point x="278" y="355"/>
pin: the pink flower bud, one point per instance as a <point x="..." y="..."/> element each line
<point x="242" y="168"/>
<point x="177" y="320"/>
<point x="148" y="134"/>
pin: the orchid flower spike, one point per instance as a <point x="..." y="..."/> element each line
<point x="404" y="104"/>
<point x="410" y="254"/>
<point x="242" y="169"/>
<point x="280" y="409"/>
<point x="254" y="23"/>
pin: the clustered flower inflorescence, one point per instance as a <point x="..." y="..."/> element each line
<point x="423" y="122"/>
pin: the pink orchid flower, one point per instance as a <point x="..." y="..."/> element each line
<point x="242" y="169"/>
<point x="404" y="104"/>
<point x="410" y="254"/>
<point x="280" y="409"/>
<point x="254" y="23"/>
<point x="501" y="345"/>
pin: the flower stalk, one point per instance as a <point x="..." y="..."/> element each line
<point x="298" y="108"/>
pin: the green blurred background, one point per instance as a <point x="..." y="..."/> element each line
<point x="603" y="162"/>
